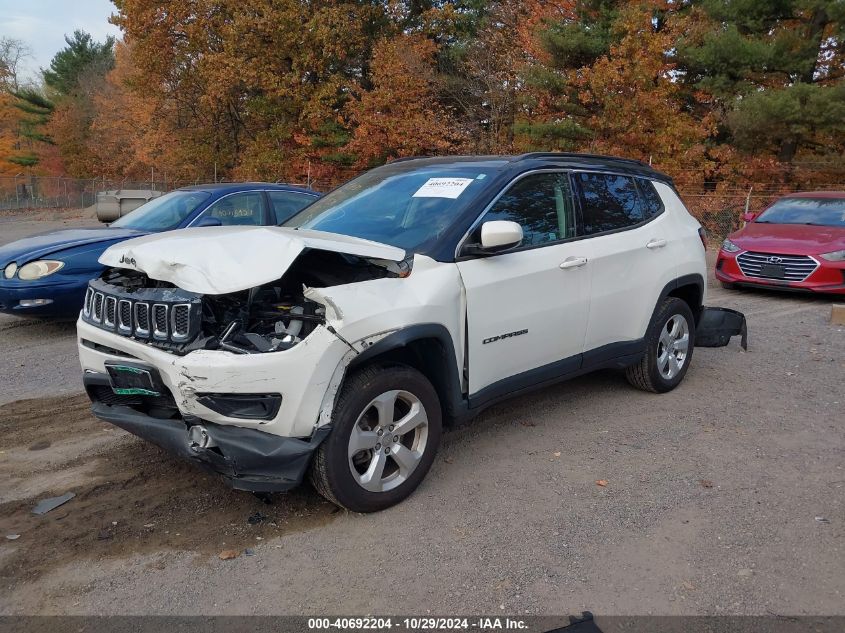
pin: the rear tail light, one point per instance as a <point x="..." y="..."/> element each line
<point x="702" y="234"/>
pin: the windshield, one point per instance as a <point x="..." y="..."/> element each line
<point x="818" y="211"/>
<point x="407" y="209"/>
<point x="164" y="213"/>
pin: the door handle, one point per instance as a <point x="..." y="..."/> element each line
<point x="653" y="244"/>
<point x="573" y="262"/>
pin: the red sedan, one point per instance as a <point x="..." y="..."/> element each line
<point x="798" y="243"/>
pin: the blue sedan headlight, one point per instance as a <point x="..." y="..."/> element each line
<point x="39" y="269"/>
<point x="10" y="270"/>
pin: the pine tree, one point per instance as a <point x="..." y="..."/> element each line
<point x="774" y="68"/>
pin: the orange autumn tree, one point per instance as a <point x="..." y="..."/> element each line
<point x="402" y="114"/>
<point x="119" y="137"/>
<point x="637" y="108"/>
<point x="605" y="83"/>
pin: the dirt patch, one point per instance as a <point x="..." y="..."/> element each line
<point x="131" y="497"/>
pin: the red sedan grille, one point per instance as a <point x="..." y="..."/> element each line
<point x="775" y="266"/>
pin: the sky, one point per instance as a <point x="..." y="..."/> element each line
<point x="42" y="24"/>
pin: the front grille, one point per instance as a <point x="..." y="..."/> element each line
<point x="793" y="267"/>
<point x="163" y="315"/>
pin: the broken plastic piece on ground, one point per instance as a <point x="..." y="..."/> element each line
<point x="13" y="537"/>
<point x="717" y="325"/>
<point x="45" y="505"/>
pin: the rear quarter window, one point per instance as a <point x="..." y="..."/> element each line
<point x="652" y="202"/>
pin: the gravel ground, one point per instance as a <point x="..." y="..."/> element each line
<point x="722" y="497"/>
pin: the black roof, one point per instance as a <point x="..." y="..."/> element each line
<point x="533" y="160"/>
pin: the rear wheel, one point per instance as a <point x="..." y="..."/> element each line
<point x="387" y="427"/>
<point x="670" y="341"/>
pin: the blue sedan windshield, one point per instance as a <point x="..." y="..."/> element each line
<point x="164" y="213"/>
<point x="408" y="209"/>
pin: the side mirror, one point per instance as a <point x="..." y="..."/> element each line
<point x="748" y="216"/>
<point x="500" y="235"/>
<point x="208" y="220"/>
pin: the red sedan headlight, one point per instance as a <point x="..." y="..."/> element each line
<point x="835" y="256"/>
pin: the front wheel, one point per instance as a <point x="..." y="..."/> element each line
<point x="387" y="426"/>
<point x="670" y="341"/>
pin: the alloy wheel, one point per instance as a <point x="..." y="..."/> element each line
<point x="673" y="346"/>
<point x="388" y="440"/>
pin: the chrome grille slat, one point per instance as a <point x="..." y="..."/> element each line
<point x="110" y="311"/>
<point x="160" y="320"/>
<point x="86" y="306"/>
<point x="180" y="321"/>
<point x="124" y="315"/>
<point x="796" y="267"/>
<point x="97" y="309"/>
<point x="142" y="318"/>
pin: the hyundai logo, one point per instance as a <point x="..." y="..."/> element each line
<point x="774" y="259"/>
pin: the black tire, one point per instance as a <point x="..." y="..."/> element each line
<point x="728" y="285"/>
<point x="332" y="468"/>
<point x="646" y="374"/>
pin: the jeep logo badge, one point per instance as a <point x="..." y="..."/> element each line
<point x="127" y="260"/>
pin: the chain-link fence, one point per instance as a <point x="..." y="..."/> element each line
<point x="49" y="192"/>
<point x="719" y="211"/>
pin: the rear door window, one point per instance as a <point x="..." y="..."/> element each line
<point x="239" y="209"/>
<point x="286" y="204"/>
<point x="608" y="202"/>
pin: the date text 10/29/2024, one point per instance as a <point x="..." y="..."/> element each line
<point x="480" y="623"/>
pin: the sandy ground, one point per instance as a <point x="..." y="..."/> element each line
<point x="724" y="496"/>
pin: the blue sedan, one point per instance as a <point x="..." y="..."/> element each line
<point x="46" y="275"/>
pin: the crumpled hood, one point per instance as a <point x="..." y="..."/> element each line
<point x="224" y="259"/>
<point x="42" y="244"/>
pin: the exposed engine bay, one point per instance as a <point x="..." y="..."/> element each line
<point x="268" y="318"/>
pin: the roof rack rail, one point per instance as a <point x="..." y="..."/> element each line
<point x="402" y="159"/>
<point x="531" y="155"/>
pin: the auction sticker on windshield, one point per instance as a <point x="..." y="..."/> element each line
<point x="443" y="188"/>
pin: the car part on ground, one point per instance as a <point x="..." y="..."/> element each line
<point x="356" y="347"/>
<point x="112" y="205"/>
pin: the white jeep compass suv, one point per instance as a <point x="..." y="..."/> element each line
<point x="410" y="298"/>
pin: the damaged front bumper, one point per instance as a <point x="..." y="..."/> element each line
<point x="716" y="327"/>
<point x="248" y="459"/>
